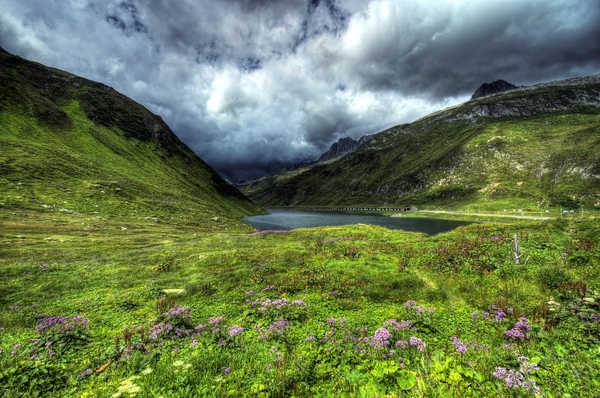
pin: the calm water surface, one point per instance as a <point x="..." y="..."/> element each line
<point x="290" y="219"/>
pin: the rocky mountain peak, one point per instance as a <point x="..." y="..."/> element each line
<point x="342" y="146"/>
<point x="492" y="88"/>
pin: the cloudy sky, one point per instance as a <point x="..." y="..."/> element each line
<point x="250" y="84"/>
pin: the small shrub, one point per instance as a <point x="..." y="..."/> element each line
<point x="437" y="295"/>
<point x="63" y="330"/>
<point x="164" y="266"/>
<point x="125" y="300"/>
<point x="33" y="378"/>
<point x="164" y="304"/>
<point x="551" y="277"/>
<point x="205" y="289"/>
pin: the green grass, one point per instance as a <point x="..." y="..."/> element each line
<point x="125" y="270"/>
<point x="80" y="170"/>
<point x="75" y="146"/>
<point x="113" y="276"/>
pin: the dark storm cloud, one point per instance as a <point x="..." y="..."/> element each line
<point x="125" y="17"/>
<point x="253" y="85"/>
<point x="452" y="48"/>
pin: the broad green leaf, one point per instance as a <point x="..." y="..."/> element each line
<point x="406" y="379"/>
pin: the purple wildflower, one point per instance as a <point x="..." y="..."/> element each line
<point x="459" y="346"/>
<point x="418" y="343"/>
<point x="381" y="334"/>
<point x="235" y="330"/>
<point x="85" y="373"/>
<point x="519" y="331"/>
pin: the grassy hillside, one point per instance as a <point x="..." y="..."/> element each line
<point x="75" y="146"/>
<point x="488" y="153"/>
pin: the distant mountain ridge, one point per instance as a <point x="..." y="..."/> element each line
<point x="80" y="145"/>
<point x="528" y="146"/>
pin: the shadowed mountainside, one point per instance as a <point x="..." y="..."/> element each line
<point x="75" y="145"/>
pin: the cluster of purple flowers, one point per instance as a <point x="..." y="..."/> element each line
<point x="174" y="324"/>
<point x="459" y="346"/>
<point x="497" y="314"/>
<point x="52" y="332"/>
<point x="235" y="330"/>
<point x="276" y="328"/>
<point x="61" y="325"/>
<point x="399" y="326"/>
<point x="158" y="329"/>
<point x="520" y="330"/>
<point x="386" y="342"/>
<point x="411" y="305"/>
<point x="263" y="304"/>
<point x="519" y="378"/>
<point x="418" y="343"/>
<point x="341" y="321"/>
<point x="381" y="335"/>
<point x="214" y="328"/>
<point x="178" y="312"/>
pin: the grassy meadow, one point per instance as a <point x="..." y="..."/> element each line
<point x="120" y="307"/>
<point x="125" y="271"/>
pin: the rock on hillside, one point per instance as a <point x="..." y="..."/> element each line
<point x="492" y="88"/>
<point x="339" y="148"/>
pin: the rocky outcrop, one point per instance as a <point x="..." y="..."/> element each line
<point x="342" y="146"/>
<point x="492" y="88"/>
<point x="551" y="97"/>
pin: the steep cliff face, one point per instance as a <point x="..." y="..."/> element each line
<point x="523" y="147"/>
<point x="492" y="88"/>
<point x="66" y="137"/>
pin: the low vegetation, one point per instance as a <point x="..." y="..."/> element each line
<point x="117" y="308"/>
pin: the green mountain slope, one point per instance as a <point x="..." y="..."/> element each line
<point x="527" y="148"/>
<point x="73" y="145"/>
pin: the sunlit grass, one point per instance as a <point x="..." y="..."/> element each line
<point x="363" y="274"/>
